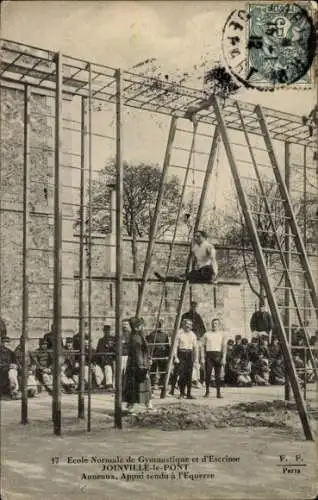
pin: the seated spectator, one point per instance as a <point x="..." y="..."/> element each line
<point x="32" y="387"/>
<point x="237" y="347"/>
<point x="105" y="356"/>
<point x="68" y="382"/>
<point x="277" y="371"/>
<point x="244" y="347"/>
<point x="294" y="334"/>
<point x="310" y="374"/>
<point x="9" y="384"/>
<point x="43" y="363"/>
<point x="233" y="369"/>
<point x="299" y="365"/>
<point x="260" y="370"/>
<point x="158" y="342"/>
<point x="97" y="373"/>
<point x="244" y="374"/>
<point x="275" y="350"/>
<point x="253" y="350"/>
<point x="263" y="345"/>
<point x="3" y="331"/>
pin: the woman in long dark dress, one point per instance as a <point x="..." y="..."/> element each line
<point x="138" y="386"/>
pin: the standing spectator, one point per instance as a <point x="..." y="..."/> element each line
<point x="186" y="355"/>
<point x="158" y="342"/>
<point x="199" y="329"/>
<point x="214" y="348"/>
<point x="125" y="344"/>
<point x="138" y="387"/>
<point x="198" y="326"/>
<point x="77" y="337"/>
<point x="49" y="338"/>
<point x="261" y="321"/>
<point x="105" y="352"/>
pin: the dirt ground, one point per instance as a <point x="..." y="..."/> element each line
<point x="264" y="456"/>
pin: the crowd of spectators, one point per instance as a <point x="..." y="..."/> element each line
<point x="211" y="358"/>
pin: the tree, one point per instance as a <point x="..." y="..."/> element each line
<point x="140" y="189"/>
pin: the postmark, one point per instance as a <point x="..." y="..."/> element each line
<point x="270" y="45"/>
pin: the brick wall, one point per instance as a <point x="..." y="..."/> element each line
<point x="234" y="304"/>
<point x="11" y="196"/>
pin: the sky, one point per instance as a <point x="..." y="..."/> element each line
<point x="179" y="34"/>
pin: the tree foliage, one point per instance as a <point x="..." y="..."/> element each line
<point x="140" y="189"/>
<point x="236" y="234"/>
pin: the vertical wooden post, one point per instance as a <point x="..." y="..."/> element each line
<point x="56" y="401"/>
<point x="26" y="222"/>
<point x="119" y="278"/>
<point x="89" y="248"/>
<point x="287" y="321"/>
<point x="305" y="301"/>
<point x="81" y="311"/>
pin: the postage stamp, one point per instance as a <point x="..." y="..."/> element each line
<point x="270" y="44"/>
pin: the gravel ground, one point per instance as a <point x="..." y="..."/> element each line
<point x="254" y="426"/>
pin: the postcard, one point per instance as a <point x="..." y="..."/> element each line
<point x="158" y="250"/>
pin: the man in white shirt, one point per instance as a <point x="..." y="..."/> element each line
<point x="204" y="263"/>
<point x="214" y="355"/>
<point x="185" y="354"/>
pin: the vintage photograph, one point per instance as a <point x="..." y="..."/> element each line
<point x="158" y="250"/>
